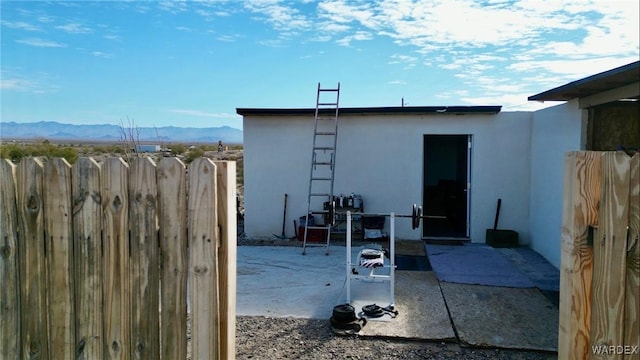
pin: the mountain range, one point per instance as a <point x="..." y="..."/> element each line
<point x="106" y="132"/>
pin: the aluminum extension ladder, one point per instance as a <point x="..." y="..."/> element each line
<point x="323" y="157"/>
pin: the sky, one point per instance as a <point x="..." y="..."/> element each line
<point x="192" y="63"/>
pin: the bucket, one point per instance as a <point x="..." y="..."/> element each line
<point x="502" y="238"/>
<point x="303" y="220"/>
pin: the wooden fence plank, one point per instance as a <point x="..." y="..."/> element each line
<point x="172" y="215"/>
<point x="59" y="245"/>
<point x="227" y="256"/>
<point x="580" y="210"/>
<point x="9" y="291"/>
<point x="203" y="248"/>
<point x="87" y="228"/>
<point x="115" y="206"/>
<point x="31" y="264"/>
<point x="609" y="256"/>
<point x="145" y="278"/>
<point x="632" y="294"/>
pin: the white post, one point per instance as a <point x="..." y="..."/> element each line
<point x="348" y="257"/>
<point x="392" y="258"/>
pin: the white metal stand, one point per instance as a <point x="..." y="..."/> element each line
<point x="372" y="276"/>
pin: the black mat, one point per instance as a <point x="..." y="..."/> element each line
<point x="412" y="263"/>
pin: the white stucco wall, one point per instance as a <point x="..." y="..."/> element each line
<point x="380" y="157"/>
<point x="555" y="131"/>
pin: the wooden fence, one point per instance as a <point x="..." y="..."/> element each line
<point x="109" y="261"/>
<point x="599" y="275"/>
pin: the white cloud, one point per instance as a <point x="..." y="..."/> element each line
<point x="282" y="17"/>
<point x="46" y="19"/>
<point x="509" y="102"/>
<point x="75" y="28"/>
<point x="113" y="37"/>
<point x="15" y="80"/>
<point x="16" y="84"/>
<point x="40" y="43"/>
<point x="358" y="36"/>
<point x="174" y="7"/>
<point x="21" y="25"/>
<point x="227" y="38"/>
<point x="572" y="69"/>
<point x="407" y="60"/>
<point x="101" y="54"/>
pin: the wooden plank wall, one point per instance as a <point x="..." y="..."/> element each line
<point x="580" y="210"/>
<point x="599" y="281"/>
<point x="632" y="294"/>
<point x="10" y="290"/>
<point x="95" y="259"/>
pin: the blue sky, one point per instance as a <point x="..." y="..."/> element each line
<point x="190" y="64"/>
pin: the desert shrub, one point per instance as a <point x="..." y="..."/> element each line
<point x="194" y="154"/>
<point x="45" y="149"/>
<point x="178" y="149"/>
<point x="240" y="171"/>
<point x="13" y="152"/>
<point x="98" y="149"/>
<point x="68" y="153"/>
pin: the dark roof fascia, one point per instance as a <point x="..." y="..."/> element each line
<point x="426" y="110"/>
<point x="611" y="79"/>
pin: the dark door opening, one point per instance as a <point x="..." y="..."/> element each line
<point x="446" y="178"/>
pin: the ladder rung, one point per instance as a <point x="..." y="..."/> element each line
<point x="324" y="148"/>
<point x="317" y="227"/>
<point x="321" y="179"/>
<point x="323" y="118"/>
<point x="325" y="133"/>
<point x="322" y="163"/>
<point x="320" y="194"/>
<point x="327" y="104"/>
<point x="329" y="89"/>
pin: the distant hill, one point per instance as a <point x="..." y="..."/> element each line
<point x="57" y="131"/>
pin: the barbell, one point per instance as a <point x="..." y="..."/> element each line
<point x="416" y="215"/>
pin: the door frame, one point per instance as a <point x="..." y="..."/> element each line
<point x="467" y="190"/>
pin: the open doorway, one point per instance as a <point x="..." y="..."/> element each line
<point x="446" y="186"/>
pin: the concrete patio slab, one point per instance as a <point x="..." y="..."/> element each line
<point x="278" y="281"/>
<point x="422" y="314"/>
<point x="513" y="318"/>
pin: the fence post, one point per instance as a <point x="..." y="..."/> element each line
<point x="609" y="255"/>
<point x="227" y="258"/>
<point x="172" y="215"/>
<point x="31" y="255"/>
<point x="632" y="294"/>
<point x="59" y="245"/>
<point x="88" y="265"/>
<point x="9" y="291"/>
<point x="115" y="208"/>
<point x="203" y="249"/>
<point x="580" y="210"/>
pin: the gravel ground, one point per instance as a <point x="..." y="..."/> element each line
<point x="289" y="338"/>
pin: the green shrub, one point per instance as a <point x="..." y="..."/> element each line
<point x="194" y="154"/>
<point x="13" y="152"/>
<point x="178" y="149"/>
<point x="45" y="149"/>
<point x="68" y="153"/>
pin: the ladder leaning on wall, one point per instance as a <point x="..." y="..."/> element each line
<point x="323" y="157"/>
